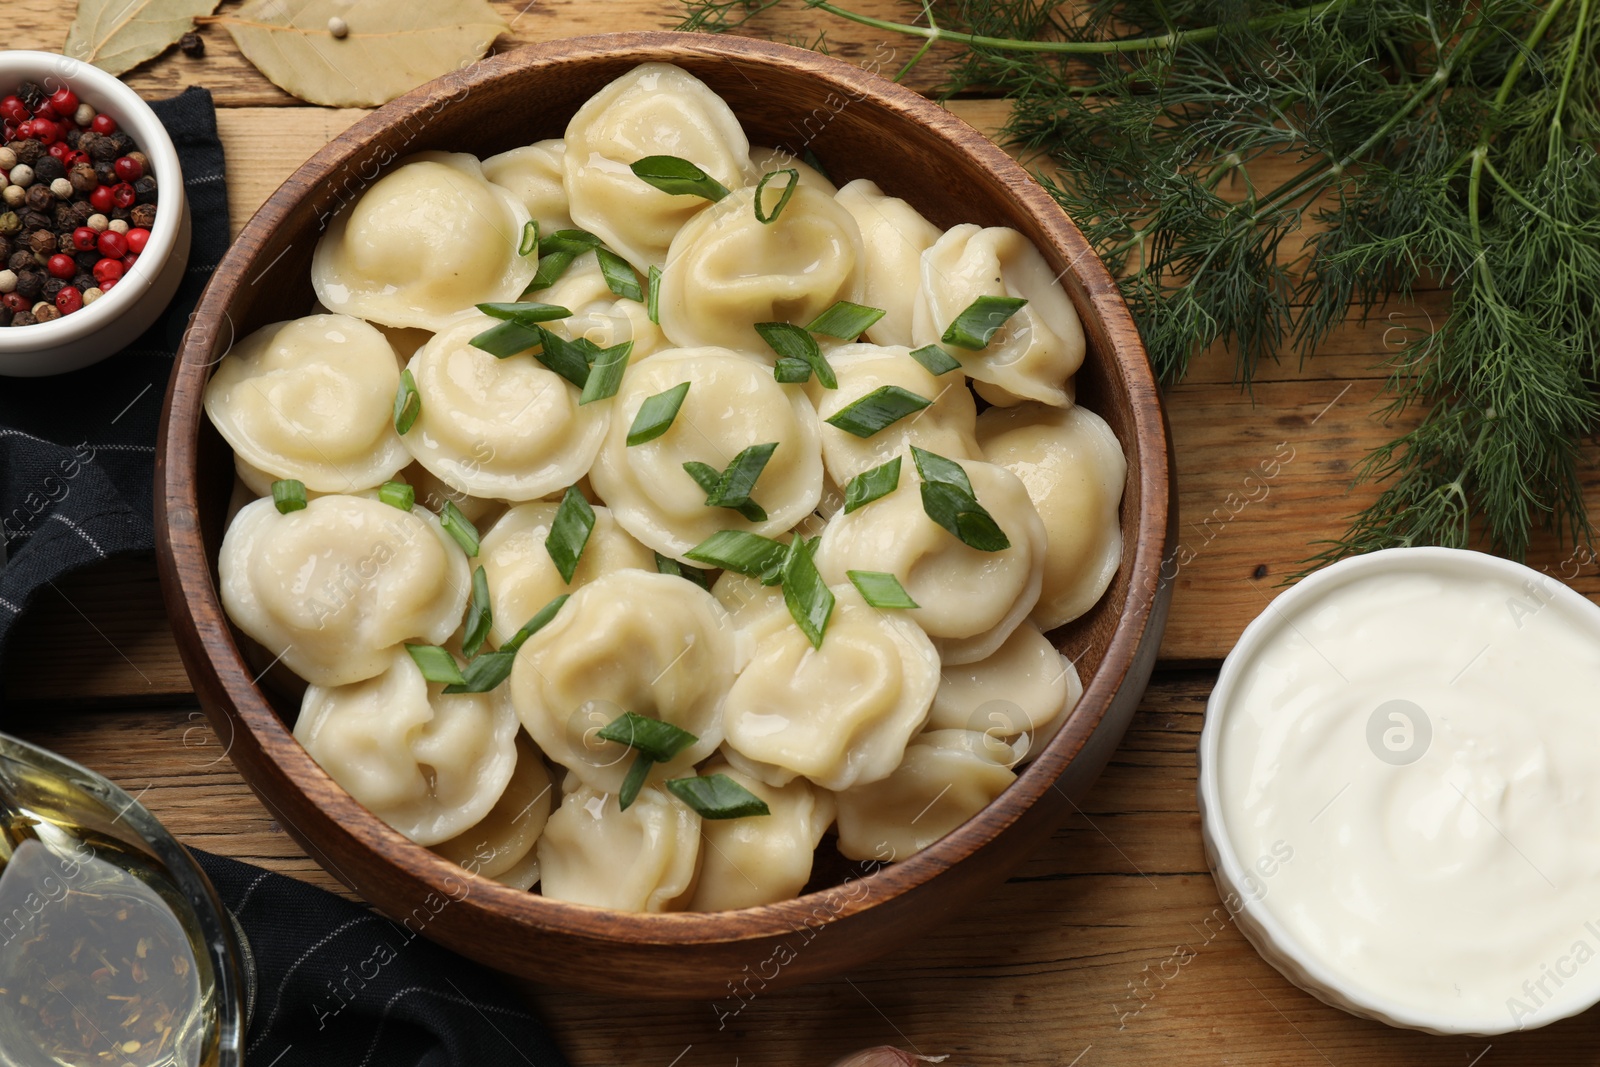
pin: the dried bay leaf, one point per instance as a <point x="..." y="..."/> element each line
<point x="390" y="49"/>
<point x="118" y="35"/>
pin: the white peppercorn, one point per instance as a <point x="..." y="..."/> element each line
<point x="22" y="175"/>
<point x="92" y="294"/>
<point x="98" y="223"/>
<point x="8" y="158"/>
<point x="83" y="116"/>
<point x="119" y="225"/>
<point x="8" y="281"/>
<point x="62" y="189"/>
<point x="14" y="195"/>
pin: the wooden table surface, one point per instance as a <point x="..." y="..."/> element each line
<point x="1110" y="946"/>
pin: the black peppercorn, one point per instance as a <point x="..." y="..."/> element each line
<point x="23" y="318"/>
<point x="52" y="286"/>
<point x="84" y="179"/>
<point x="191" y="45"/>
<point x="83" y="281"/>
<point x="64" y="244"/>
<point x="125" y="214"/>
<point x="145" y="189"/>
<point x="5" y="248"/>
<point x="20" y="261"/>
<point x="40" y="198"/>
<point x="42" y="242"/>
<point x="63" y="214"/>
<point x="143" y="215"/>
<point x="48" y="169"/>
<point x="33" y="95"/>
<point x="123" y="142"/>
<point x="30" y="283"/>
<point x="105" y="173"/>
<point x="86" y="260"/>
<point x="33" y="220"/>
<point x="27" y="151"/>
<point x="81" y="210"/>
<point x="86" y="140"/>
<point x="73" y="136"/>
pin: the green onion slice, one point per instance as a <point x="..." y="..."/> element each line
<point x="407" y="404"/>
<point x="398" y="495"/>
<point x="961" y="514"/>
<point x="665" y="565"/>
<point x="791" y="371"/>
<point x="437" y="664"/>
<point x="708" y="478"/>
<point x="552" y="265"/>
<point x="879" y="409"/>
<point x="568" y="242"/>
<point x="845" y="320"/>
<point x="745" y="553"/>
<point x="540" y="620"/>
<point x="605" y="375"/>
<point x="656" y="414"/>
<point x="806" y="595"/>
<point x="288" y="495"/>
<point x="459" y="527"/>
<point x="716" y="796"/>
<point x="653" y="304"/>
<point x="739" y="480"/>
<point x="530" y="238"/>
<point x="933" y="467"/>
<point x="975" y="326"/>
<point x="570" y="359"/>
<point x="505" y="339"/>
<point x="881" y="589"/>
<point x="814" y="163"/>
<point x="679" y="177"/>
<point x="869" y="485"/>
<point x="935" y="359"/>
<point x="480" y="615"/>
<point x="569" y="533"/>
<point x="527" y="312"/>
<point x="659" y="740"/>
<point x="484" y="673"/>
<point x="634" y="781"/>
<point x="619" y="276"/>
<point x="783" y="201"/>
<point x="791" y="342"/>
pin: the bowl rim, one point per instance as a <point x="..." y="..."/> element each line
<point x="187" y="567"/>
<point x="136" y="117"/>
<point x="1313" y="974"/>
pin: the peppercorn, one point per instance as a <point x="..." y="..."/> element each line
<point x="87" y="139"/>
<point x="65" y="244"/>
<point x="69" y="299"/>
<point x="27" y="151"/>
<point x="72" y="138"/>
<point x="81" y="210"/>
<point x="39" y="197"/>
<point x="143" y="215"/>
<point x="23" y="318"/>
<point x="141" y="159"/>
<point x="127" y="168"/>
<point x="30" y="283"/>
<point x="52" y="286"/>
<point x="43" y="312"/>
<point x="33" y="95"/>
<point x="98" y="222"/>
<point x="122" y="214"/>
<point x="48" y="169"/>
<point x="105" y="173"/>
<point x="9" y="223"/>
<point x="5" y="248"/>
<point x="83" y="281"/>
<point x="20" y="261"/>
<point x="62" y="214"/>
<point x="34" y="220"/>
<point x="86" y="261"/>
<point x="144" y="190"/>
<point x="22" y="175"/>
<point x="42" y="242"/>
<point x="61" y="189"/>
<point x="83" y="178"/>
<point x="123" y="142"/>
<point x="191" y="45"/>
<point x="8" y="159"/>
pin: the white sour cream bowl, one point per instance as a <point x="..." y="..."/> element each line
<point x="1400" y="790"/>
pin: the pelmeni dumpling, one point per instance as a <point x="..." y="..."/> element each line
<point x="970" y="600"/>
<point x="501" y="845"/>
<point x="946" y="778"/>
<point x="642" y="859"/>
<point x="1038" y="349"/>
<point x="507" y="428"/>
<point x="727" y="270"/>
<point x="428" y="765"/>
<point x="893" y="237"/>
<point x="653" y="644"/>
<point x="946" y="426"/>
<point x="430" y="239"/>
<point x="522" y="576"/>
<point x="1074" y="469"/>
<point x="655" y="109"/>
<point x="761" y="859"/>
<point x="334" y="587"/>
<point x="1025" y="690"/>
<point x="733" y="403"/>
<point x="840" y="714"/>
<point x="533" y="174"/>
<point x="598" y="314"/>
<point x="767" y="160"/>
<point x="311" y="399"/>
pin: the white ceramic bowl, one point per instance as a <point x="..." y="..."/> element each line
<point x="116" y="319"/>
<point x="1237" y="880"/>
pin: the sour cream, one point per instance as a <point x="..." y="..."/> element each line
<point x="1400" y="790"/>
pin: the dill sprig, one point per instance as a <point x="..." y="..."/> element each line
<point x="1439" y="142"/>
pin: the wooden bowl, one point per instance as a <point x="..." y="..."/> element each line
<point x="860" y="125"/>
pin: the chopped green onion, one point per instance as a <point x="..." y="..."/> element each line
<point x="679" y="177"/>
<point x="960" y="513"/>
<point x="634" y="781"/>
<point x="744" y="553"/>
<point x="540" y="620"/>
<point x="806" y="595"/>
<point x="936" y="359"/>
<point x="570" y="359"/>
<point x="619" y="276"/>
<point x="666" y="565"/>
<point x="505" y="339"/>
<point x="791" y="342"/>
<point x="704" y="474"/>
<point x="605" y="375"/>
<point x="398" y="495"/>
<point x="881" y="589"/>
<point x="568" y="242"/>
<point x="484" y="673"/>
<point x="653" y="304"/>
<point x="656" y="414"/>
<point x="527" y="312"/>
<point x="552" y="265"/>
<point x="879" y="409"/>
<point x="791" y="371"/>
<point x="845" y="320"/>
<point x="407" y="404"/>
<point x="659" y="740"/>
<point x="716" y="796"/>
<point x="814" y="163"/>
<point x="869" y="485"/>
<point x="288" y="495"/>
<point x="739" y="480"/>
<point x="530" y="238"/>
<point x="459" y="527"/>
<point x="975" y="326"/>
<point x="569" y="533"/>
<point x="783" y="201"/>
<point x="436" y="664"/>
<point x="480" y="615"/>
<point x="933" y="467"/>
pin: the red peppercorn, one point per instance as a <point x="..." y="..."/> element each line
<point x="128" y="169"/>
<point x="85" y="239"/>
<point x="62" y="266"/>
<point x="24" y="130"/>
<point x="107" y="270"/>
<point x="10" y="131"/>
<point x="100" y="199"/>
<point x="64" y="100"/>
<point x="113" y="245"/>
<point x="107" y="284"/>
<point x="129" y="260"/>
<point x="69" y="300"/>
<point x="45" y="131"/>
<point x="123" y="195"/>
<point x="74" y="158"/>
<point x="15" y="302"/>
<point x="104" y="125"/>
<point x="138" y="237"/>
<point x="60" y="150"/>
<point x="45" y="111"/>
<point x="12" y="109"/>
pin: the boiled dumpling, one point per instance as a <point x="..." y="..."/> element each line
<point x="522" y="576"/>
<point x="727" y="270"/>
<point x="764" y="161"/>
<point x="1022" y="693"/>
<point x="1074" y="469"/>
<point x="1039" y="348"/>
<point x="893" y="237"/>
<point x="761" y="859"/>
<point x="947" y="777"/>
<point x="733" y="403"/>
<point x="533" y="174"/>
<point x="655" y="109"/>
<point x="839" y="715"/>
<point x="642" y="859"/>
<point x="507" y="428"/>
<point x="311" y="399"/>
<point x="428" y="240"/>
<point x="501" y="845"/>
<point x="946" y="426"/>
<point x="631" y="640"/>
<point x="970" y="600"/>
<point x="598" y="314"/>
<point x="334" y="587"/>
<point x="428" y="765"/>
